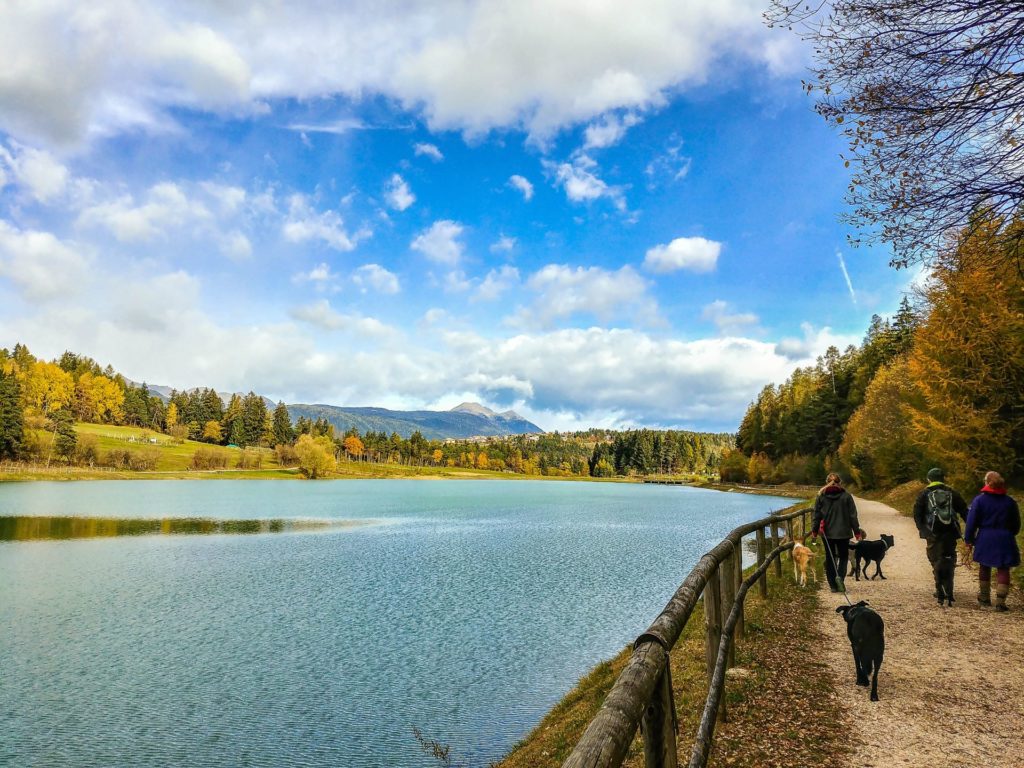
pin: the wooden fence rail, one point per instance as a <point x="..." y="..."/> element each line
<point x="642" y="694"/>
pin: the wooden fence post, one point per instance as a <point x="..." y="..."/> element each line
<point x="803" y="523"/>
<point x="741" y="629"/>
<point x="713" y="619"/>
<point x="659" y="724"/>
<point x="762" y="553"/>
<point x="726" y="576"/>
<point x="775" y="545"/>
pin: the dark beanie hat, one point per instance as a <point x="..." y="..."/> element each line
<point x="936" y="475"/>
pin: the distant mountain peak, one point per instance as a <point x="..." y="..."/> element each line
<point x="511" y="415"/>
<point x="475" y="408"/>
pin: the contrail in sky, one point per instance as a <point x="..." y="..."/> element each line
<point x="846" y="275"/>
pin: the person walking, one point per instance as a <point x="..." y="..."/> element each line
<point x="993" y="522"/>
<point x="936" y="510"/>
<point x="835" y="518"/>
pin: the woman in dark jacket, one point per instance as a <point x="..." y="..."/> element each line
<point x="993" y="522"/>
<point x="835" y="518"/>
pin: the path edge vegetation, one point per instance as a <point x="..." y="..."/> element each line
<point x="783" y="710"/>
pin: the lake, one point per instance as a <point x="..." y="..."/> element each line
<point x="465" y="609"/>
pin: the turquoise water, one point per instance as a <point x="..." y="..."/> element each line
<point x="465" y="609"/>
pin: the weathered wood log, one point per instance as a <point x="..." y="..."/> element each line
<point x="659" y="725"/>
<point x="741" y="625"/>
<point x="713" y="628"/>
<point x="775" y="545"/>
<point x="762" y="551"/>
<point x="727" y="589"/>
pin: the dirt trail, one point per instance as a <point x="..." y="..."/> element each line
<point x="952" y="683"/>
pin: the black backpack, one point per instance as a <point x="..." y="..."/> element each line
<point x="940" y="508"/>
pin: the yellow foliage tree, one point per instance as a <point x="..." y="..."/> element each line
<point x="316" y="456"/>
<point x="171" y="417"/>
<point x="878" y="446"/>
<point x="97" y="397"/>
<point x="48" y="388"/>
<point x="968" y="361"/>
<point x="212" y="432"/>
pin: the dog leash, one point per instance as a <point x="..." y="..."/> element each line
<point x="835" y="567"/>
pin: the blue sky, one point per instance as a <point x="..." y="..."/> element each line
<point x="597" y="218"/>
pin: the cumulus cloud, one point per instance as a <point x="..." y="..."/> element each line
<point x="40" y="265"/>
<point x="608" y="131"/>
<point x="235" y="245"/>
<point x="398" y="194"/>
<point x="522" y="184"/>
<point x="581" y="184"/>
<point x="374" y="277"/>
<point x="165" y="208"/>
<point x="229" y="199"/>
<point x="728" y="322"/>
<point x="813" y="342"/>
<point x="320" y="275"/>
<point x="695" y="254"/>
<point x="304" y="223"/>
<point x="440" y="243"/>
<point x="430" y="150"/>
<point x="470" y="66"/>
<point x="562" y="292"/>
<point x="497" y="282"/>
<point x="503" y="244"/>
<point x="37" y="171"/>
<point x="321" y="315"/>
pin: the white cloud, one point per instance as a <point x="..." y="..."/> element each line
<point x="45" y="177"/>
<point x="540" y="65"/>
<point x="503" y="244"/>
<point x="729" y="323"/>
<point x="440" y="243"/>
<point x="398" y="194"/>
<point x="814" y="342"/>
<point x="166" y="208"/>
<point x="41" y="266"/>
<point x="235" y="245"/>
<point x="321" y="315"/>
<point x="228" y="198"/>
<point x="562" y="292"/>
<point x="608" y="131"/>
<point x="671" y="165"/>
<point x="430" y="150"/>
<point x="581" y="185"/>
<point x="320" y="275"/>
<point x="695" y="254"/>
<point x="497" y="282"/>
<point x="375" y="277"/>
<point x="522" y="184"/>
<point x="457" y="282"/>
<point x="335" y="127"/>
<point x="305" y="224"/>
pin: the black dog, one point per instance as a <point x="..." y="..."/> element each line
<point x="866" y="631"/>
<point x="868" y="551"/>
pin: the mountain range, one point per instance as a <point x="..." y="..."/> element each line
<point x="464" y="420"/>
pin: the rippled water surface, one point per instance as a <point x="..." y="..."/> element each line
<point x="465" y="609"/>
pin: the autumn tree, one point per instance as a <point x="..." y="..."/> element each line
<point x="930" y="97"/>
<point x="315" y="455"/>
<point x="48" y="388"/>
<point x="97" y="398"/>
<point x="353" y="446"/>
<point x="968" y="361"/>
<point x="212" y="432"/>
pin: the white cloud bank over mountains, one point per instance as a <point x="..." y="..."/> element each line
<point x="538" y="65"/>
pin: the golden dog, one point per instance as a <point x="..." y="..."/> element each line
<point x="802" y="555"/>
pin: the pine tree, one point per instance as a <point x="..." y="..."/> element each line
<point x="12" y="433"/>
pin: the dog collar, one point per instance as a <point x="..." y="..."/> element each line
<point x="886" y="545"/>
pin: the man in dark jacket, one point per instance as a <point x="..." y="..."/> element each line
<point x="835" y="518"/>
<point x="933" y="504"/>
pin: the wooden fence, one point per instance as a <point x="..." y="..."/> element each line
<point x="642" y="694"/>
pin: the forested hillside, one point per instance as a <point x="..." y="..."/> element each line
<point x="942" y="383"/>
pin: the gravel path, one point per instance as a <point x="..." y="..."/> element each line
<point x="952" y="682"/>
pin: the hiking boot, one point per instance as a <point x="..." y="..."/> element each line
<point x="1001" y="607"/>
<point x="983" y="593"/>
<point x="833" y="588"/>
<point x="1002" y="590"/>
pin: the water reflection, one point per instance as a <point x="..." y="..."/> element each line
<point x="25" y="528"/>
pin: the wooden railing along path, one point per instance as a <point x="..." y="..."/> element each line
<point x="642" y="694"/>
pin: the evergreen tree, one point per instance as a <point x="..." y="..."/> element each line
<point x="11" y="417"/>
<point x="64" y="437"/>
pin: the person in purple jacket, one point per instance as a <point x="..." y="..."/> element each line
<point x="993" y="522"/>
